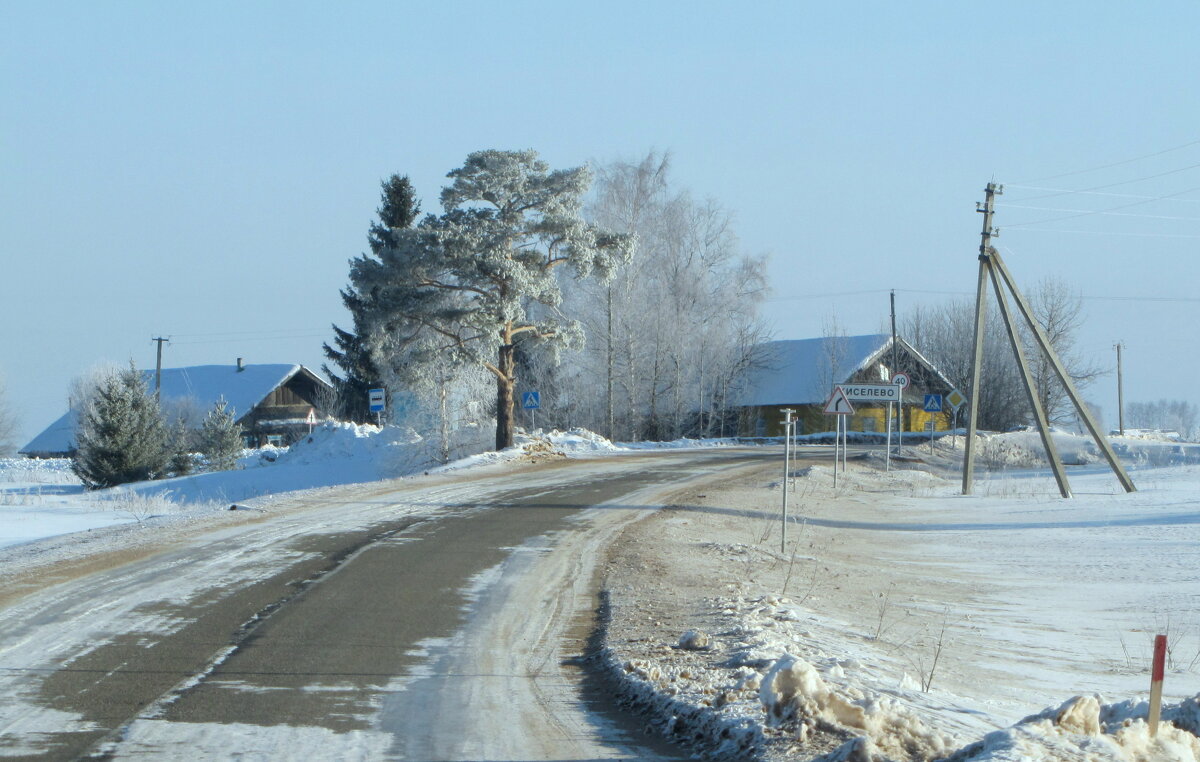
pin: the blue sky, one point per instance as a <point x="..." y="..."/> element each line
<point x="205" y="171"/>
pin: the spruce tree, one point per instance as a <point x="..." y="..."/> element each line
<point x="180" y="445"/>
<point x="121" y="435"/>
<point x="398" y="210"/>
<point x="220" y="438"/>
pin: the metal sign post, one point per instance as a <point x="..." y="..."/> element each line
<point x="531" y="401"/>
<point x="901" y="380"/>
<point x="956" y="400"/>
<point x="839" y="405"/>
<point x="887" y="449"/>
<point x="787" y="472"/>
<point x="933" y="404"/>
<point x="376" y="401"/>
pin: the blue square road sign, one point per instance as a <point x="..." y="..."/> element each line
<point x="933" y="403"/>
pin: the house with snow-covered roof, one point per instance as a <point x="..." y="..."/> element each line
<point x="271" y="402"/>
<point x="801" y="374"/>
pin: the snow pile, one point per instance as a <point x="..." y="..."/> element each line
<point x="575" y="441"/>
<point x="745" y="692"/>
<point x="335" y="441"/>
<point x="1084" y="728"/>
<point x="680" y="444"/>
<point x="794" y="696"/>
<point x="18" y="471"/>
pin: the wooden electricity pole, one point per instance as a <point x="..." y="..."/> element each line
<point x="1120" y="395"/>
<point x="992" y="268"/>
<point x="985" y="245"/>
<point x="158" y="368"/>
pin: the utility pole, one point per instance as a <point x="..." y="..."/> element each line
<point x="158" y="368"/>
<point x="1120" y="395"/>
<point x="985" y="246"/>
<point x="895" y="370"/>
<point x="992" y="267"/>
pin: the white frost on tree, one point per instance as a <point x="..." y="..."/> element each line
<point x="8" y="424"/>
<point x="121" y="435"/>
<point x="670" y="335"/>
<point x="458" y="289"/>
<point x="220" y="438"/>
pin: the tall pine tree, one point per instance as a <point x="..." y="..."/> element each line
<point x="466" y="286"/>
<point x="398" y="210"/>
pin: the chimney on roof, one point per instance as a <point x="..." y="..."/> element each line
<point x="240" y="366"/>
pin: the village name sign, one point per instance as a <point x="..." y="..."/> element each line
<point x="871" y="392"/>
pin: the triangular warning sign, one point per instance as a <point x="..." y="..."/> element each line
<point x="839" y="403"/>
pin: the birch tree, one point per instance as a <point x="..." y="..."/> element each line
<point x="1060" y="313"/>
<point x="8" y="424"/>
<point x="461" y="285"/>
<point x="668" y="336"/>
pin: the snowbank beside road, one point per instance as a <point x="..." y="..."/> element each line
<point x="43" y="498"/>
<point x="906" y="621"/>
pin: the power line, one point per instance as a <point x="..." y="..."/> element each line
<point x="1104" y="232"/>
<point x="1114" y="185"/>
<point x="1099" y="193"/>
<point x="252" y="338"/>
<point x="1113" y="214"/>
<point x="1117" y="163"/>
<point x="1102" y="211"/>
<point x="279" y="332"/>
<point x="1187" y="299"/>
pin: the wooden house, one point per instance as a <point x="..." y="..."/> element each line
<point x="274" y="403"/>
<point x="801" y="375"/>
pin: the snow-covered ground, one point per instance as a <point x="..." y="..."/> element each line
<point x="43" y="498"/>
<point x="903" y="620"/>
<point x="906" y="621"/>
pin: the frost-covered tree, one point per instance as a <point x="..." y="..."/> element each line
<point x="220" y="438"/>
<point x="1180" y="416"/>
<point x="179" y="445"/>
<point x="462" y="286"/>
<point x="1060" y="313"/>
<point x="398" y="209"/>
<point x="8" y="425"/>
<point x="945" y="335"/>
<point x="669" y="336"/>
<point x="121" y="435"/>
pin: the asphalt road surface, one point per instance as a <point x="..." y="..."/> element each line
<point x="435" y="618"/>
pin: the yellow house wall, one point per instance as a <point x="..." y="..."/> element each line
<point x="813" y="419"/>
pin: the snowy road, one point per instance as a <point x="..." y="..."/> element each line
<point x="437" y="618"/>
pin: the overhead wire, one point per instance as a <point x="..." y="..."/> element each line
<point x="1116" y="163"/>
<point x="1114" y="185"/>
<point x="1065" y="191"/>
<point x="1086" y="211"/>
<point x="1102" y="211"/>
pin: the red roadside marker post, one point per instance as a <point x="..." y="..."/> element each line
<point x="1156" y="681"/>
